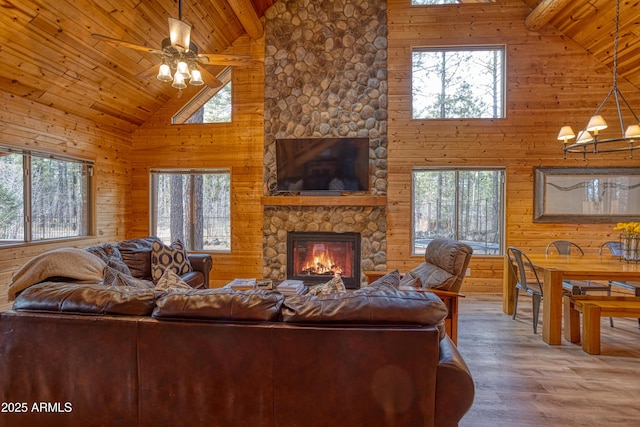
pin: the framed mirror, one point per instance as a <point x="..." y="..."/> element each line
<point x="586" y="194"/>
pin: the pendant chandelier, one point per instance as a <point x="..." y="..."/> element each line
<point x="589" y="140"/>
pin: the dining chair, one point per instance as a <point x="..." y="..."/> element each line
<point x="577" y="287"/>
<point x="527" y="280"/>
<point x="615" y="247"/>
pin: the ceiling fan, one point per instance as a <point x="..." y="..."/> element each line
<point x="180" y="55"/>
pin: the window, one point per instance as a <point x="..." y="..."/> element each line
<point x="213" y="104"/>
<point x="43" y="197"/>
<point x="460" y="204"/>
<point x="193" y="206"/>
<point x="458" y="82"/>
<point x="216" y="110"/>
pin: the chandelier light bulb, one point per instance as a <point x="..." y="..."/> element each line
<point x="584" y="137"/>
<point x="632" y="131"/>
<point x="566" y="133"/>
<point x="596" y="123"/>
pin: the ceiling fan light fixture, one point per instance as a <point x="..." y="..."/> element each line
<point x="183" y="69"/>
<point x="196" y="78"/>
<point x="179" y="33"/>
<point x="178" y="81"/>
<point x="164" y="74"/>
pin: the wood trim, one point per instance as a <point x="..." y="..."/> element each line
<point x="248" y="17"/>
<point x="324" y="200"/>
<point x="544" y="12"/>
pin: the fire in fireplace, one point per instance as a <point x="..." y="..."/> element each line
<point x="314" y="257"/>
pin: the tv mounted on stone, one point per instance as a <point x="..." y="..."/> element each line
<point x="322" y="165"/>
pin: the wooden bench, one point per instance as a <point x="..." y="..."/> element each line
<point x="592" y="309"/>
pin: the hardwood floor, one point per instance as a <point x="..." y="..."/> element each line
<point x="522" y="381"/>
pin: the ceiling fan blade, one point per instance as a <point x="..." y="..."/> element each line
<point x="222" y="59"/>
<point x="126" y="44"/>
<point x="211" y="80"/>
<point x="179" y="33"/>
<point x="148" y="73"/>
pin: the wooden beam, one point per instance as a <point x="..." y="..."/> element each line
<point x="543" y="13"/>
<point x="248" y="17"/>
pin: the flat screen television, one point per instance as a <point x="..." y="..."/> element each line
<point x="322" y="164"/>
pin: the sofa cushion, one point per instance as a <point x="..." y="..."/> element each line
<point x="136" y="253"/>
<point x="71" y="263"/>
<point x="86" y="299"/>
<point x="172" y="257"/>
<point x="220" y="304"/>
<point x="366" y="306"/>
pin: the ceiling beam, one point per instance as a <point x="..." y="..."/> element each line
<point x="248" y="17"/>
<point x="543" y="13"/>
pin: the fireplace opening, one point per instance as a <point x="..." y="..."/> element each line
<point x="314" y="257"/>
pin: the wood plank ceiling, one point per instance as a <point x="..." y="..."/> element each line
<point x="47" y="54"/>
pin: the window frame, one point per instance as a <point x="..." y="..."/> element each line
<point x="502" y="215"/>
<point x="502" y="48"/>
<point x="87" y="203"/>
<point x="153" y="220"/>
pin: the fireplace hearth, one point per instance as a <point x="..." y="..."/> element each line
<point x="315" y="257"/>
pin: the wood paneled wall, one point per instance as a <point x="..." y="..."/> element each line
<point x="549" y="81"/>
<point x="237" y="145"/>
<point x="31" y="125"/>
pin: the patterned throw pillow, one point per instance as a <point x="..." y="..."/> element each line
<point x="113" y="277"/>
<point x="172" y="257"/>
<point x="333" y="286"/>
<point x="389" y="281"/>
<point x="171" y="282"/>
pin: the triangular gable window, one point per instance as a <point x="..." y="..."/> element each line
<point x="210" y="105"/>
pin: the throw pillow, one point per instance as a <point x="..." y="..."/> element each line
<point x="389" y="281"/>
<point x="333" y="286"/>
<point x="172" y="257"/>
<point x="114" y="277"/>
<point x="118" y="264"/>
<point x="410" y="280"/>
<point x="171" y="282"/>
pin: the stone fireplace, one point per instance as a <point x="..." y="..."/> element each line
<point x="325" y="77"/>
<point x="368" y="222"/>
<point x="315" y="257"/>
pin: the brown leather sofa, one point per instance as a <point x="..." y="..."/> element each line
<point x="80" y="355"/>
<point x="131" y="258"/>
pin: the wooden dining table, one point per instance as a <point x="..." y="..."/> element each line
<point x="556" y="268"/>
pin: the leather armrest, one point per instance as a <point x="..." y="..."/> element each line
<point x="454" y="385"/>
<point x="203" y="264"/>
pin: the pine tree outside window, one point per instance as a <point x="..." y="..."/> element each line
<point x="43" y="197"/>
<point x="459" y="204"/>
<point x="461" y="82"/>
<point x="193" y="206"/>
